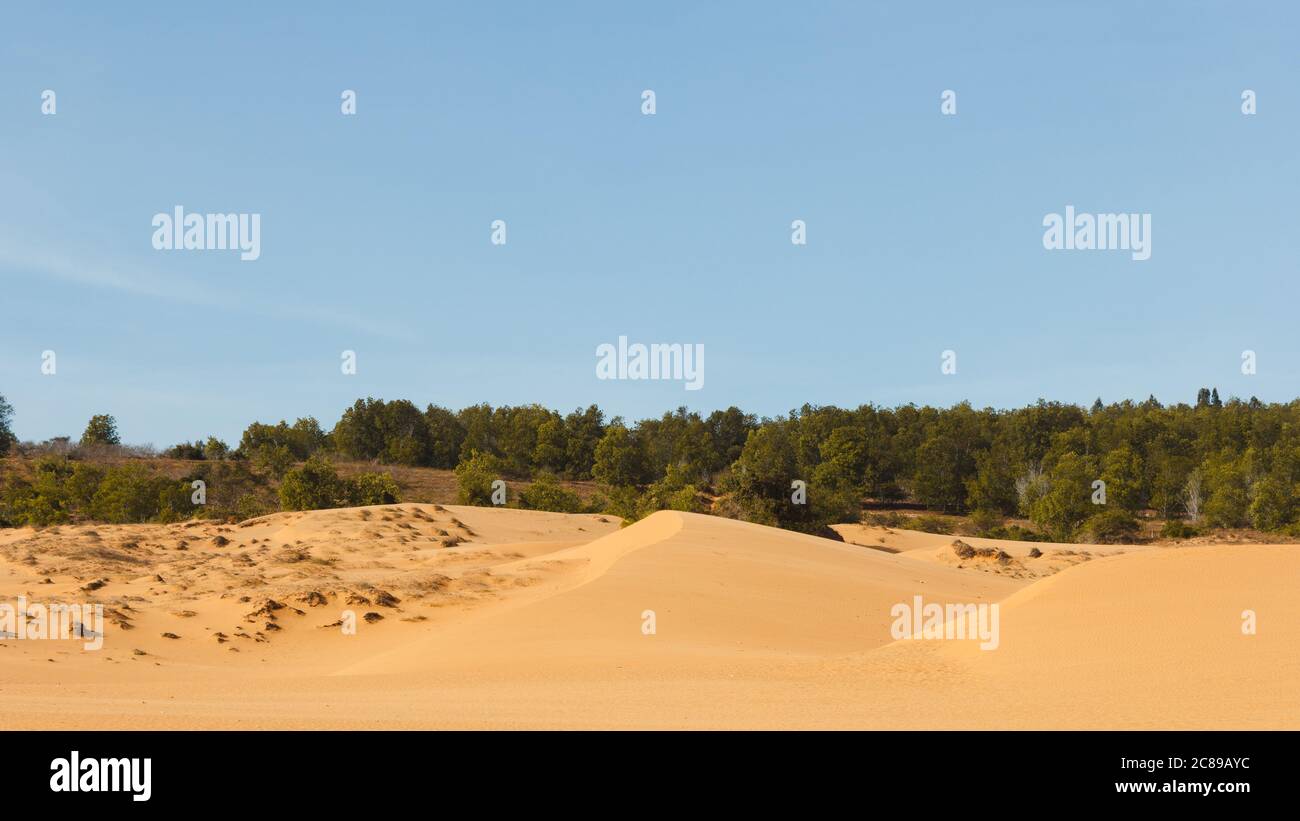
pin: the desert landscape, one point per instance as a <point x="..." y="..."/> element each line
<point x="475" y="617"/>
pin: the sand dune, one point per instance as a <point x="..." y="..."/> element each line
<point x="1022" y="559"/>
<point x="506" y="618"/>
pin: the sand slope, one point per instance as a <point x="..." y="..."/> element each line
<point x="720" y="590"/>
<point x="938" y="548"/>
<point x="504" y="618"/>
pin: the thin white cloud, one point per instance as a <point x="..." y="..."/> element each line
<point x="43" y="263"/>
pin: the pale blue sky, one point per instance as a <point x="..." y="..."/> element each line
<point x="924" y="231"/>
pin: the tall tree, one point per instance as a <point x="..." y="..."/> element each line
<point x="101" y="430"/>
<point x="7" y="437"/>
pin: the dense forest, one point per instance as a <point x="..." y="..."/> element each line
<point x="1074" y="472"/>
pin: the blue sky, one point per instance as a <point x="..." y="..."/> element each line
<point x="924" y="231"/>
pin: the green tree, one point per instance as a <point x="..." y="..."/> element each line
<point x="728" y="430"/>
<point x="517" y="435"/>
<point x="1228" y="485"/>
<point x="844" y="461"/>
<point x="620" y="458"/>
<point x="301" y="440"/>
<point x="215" y="450"/>
<point x="759" y="483"/>
<point x="477" y="422"/>
<point x="1272" y="503"/>
<point x="446" y="434"/>
<point x="1068" y="500"/>
<point x="839" y="481"/>
<point x="549" y="454"/>
<point x="1169" y="463"/>
<point x="102" y="430"/>
<point x="993" y="488"/>
<point x="359" y="434"/>
<point x="7" y="438"/>
<point x="583" y="431"/>
<point x="945" y="460"/>
<point x="1122" y="472"/>
<point x="404" y="432"/>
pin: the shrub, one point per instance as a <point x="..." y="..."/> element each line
<point x="1177" y="529"/>
<point x="250" y="506"/>
<point x="1016" y="533"/>
<point x="474" y="478"/>
<point x="985" y="521"/>
<point x="47" y="501"/>
<point x="930" y="524"/>
<point x="40" y="502"/>
<point x="317" y="486"/>
<point x="313" y="486"/>
<point x="623" y="502"/>
<point x="37" y="510"/>
<point x="1112" y="526"/>
<point x="229" y="482"/>
<point x="890" y="519"/>
<point x="687" y="500"/>
<point x="545" y="493"/>
<point x="215" y="450"/>
<point x="81" y="485"/>
<point x="275" y="460"/>
<point x="673" y="492"/>
<point x="185" y="450"/>
<point x="372" y="489"/>
<point x="827" y="505"/>
<point x="174" y="502"/>
<point x="130" y="493"/>
<point x="60" y="491"/>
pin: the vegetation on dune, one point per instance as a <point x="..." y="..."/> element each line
<point x="1213" y="464"/>
<point x="474" y="478"/>
<point x="317" y="485"/>
<point x="545" y="493"/>
<point x="60" y="491"/>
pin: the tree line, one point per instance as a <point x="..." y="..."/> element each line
<point x="1208" y="464"/>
